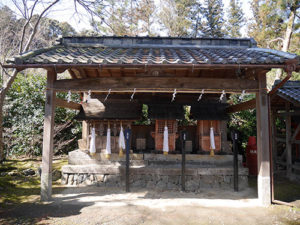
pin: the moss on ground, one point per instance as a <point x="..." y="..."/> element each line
<point x="19" y="188"/>
<point x="286" y="190"/>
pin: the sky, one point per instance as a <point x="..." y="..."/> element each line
<point x="65" y="12"/>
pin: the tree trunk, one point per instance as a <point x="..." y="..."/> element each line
<point x="288" y="34"/>
<point x="2" y="155"/>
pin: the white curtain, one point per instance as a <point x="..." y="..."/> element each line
<point x="166" y="140"/>
<point x="93" y="142"/>
<point x="108" y="144"/>
<point x="121" y="139"/>
<point x="212" y="139"/>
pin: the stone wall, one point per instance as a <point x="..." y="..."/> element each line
<point x="158" y="178"/>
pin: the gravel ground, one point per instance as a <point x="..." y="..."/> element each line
<point x="97" y="205"/>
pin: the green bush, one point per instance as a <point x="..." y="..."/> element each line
<point x="244" y="122"/>
<point x="24" y="117"/>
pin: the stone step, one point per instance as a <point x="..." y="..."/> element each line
<point x="79" y="157"/>
<point x="166" y="170"/>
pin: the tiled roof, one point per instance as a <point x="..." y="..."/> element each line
<point x="209" y="111"/>
<point x="96" y="110"/>
<point x="146" y="50"/>
<point x="165" y="111"/>
<point x="290" y="91"/>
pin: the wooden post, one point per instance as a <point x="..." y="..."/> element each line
<point x="127" y="140"/>
<point x="263" y="145"/>
<point x="274" y="142"/>
<point x="46" y="176"/>
<point x="235" y="161"/>
<point x="183" y="139"/>
<point x="288" y="144"/>
<point x="85" y="127"/>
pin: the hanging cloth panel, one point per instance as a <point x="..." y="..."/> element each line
<point x="93" y="142"/>
<point x="121" y="139"/>
<point x="166" y="140"/>
<point x="212" y="139"/>
<point x="108" y="143"/>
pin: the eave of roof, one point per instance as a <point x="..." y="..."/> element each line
<point x="140" y="51"/>
<point x="290" y="92"/>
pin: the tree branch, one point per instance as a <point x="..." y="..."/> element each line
<point x="33" y="32"/>
<point x="275" y="40"/>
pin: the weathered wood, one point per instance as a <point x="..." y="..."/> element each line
<point x="166" y="84"/>
<point x="278" y="139"/>
<point x="296" y="142"/>
<point x="274" y="142"/>
<point x="235" y="161"/>
<point x="294" y="113"/>
<point x="65" y="104"/>
<point x="295" y="133"/>
<point x="263" y="144"/>
<point x="288" y="134"/>
<point x="251" y="103"/>
<point x="85" y="127"/>
<point x="242" y="106"/>
<point x="46" y="176"/>
<point x="183" y="161"/>
<point x="127" y="171"/>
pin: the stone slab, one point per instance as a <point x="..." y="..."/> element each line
<point x="80" y="157"/>
<point x="111" y="169"/>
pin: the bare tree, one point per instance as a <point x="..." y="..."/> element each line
<point x="28" y="9"/>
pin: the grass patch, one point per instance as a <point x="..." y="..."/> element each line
<point x="19" y="189"/>
<point x="286" y="190"/>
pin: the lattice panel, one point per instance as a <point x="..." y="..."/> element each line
<point x="171" y="124"/>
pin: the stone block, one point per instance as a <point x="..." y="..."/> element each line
<point x="99" y="177"/>
<point x="162" y="182"/>
<point x="64" y="178"/>
<point x="70" y="179"/>
<point x="80" y="179"/>
<point x="243" y="182"/>
<point x="173" y="179"/>
<point x="151" y="184"/>
<point x="82" y="144"/>
<point x="75" y="179"/>
<point x="141" y="183"/>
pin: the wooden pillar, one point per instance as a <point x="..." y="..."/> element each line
<point x="46" y="176"/>
<point x="288" y="144"/>
<point x="183" y="161"/>
<point x="85" y="127"/>
<point x="263" y="146"/>
<point x="274" y="142"/>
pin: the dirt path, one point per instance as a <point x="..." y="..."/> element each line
<point x="94" y="205"/>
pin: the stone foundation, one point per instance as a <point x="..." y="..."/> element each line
<point x="158" y="178"/>
<point x="153" y="171"/>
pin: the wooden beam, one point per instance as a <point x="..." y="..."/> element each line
<point x="288" y="134"/>
<point x="296" y="132"/>
<point x="251" y="103"/>
<point x="242" y="106"/>
<point x="295" y="113"/>
<point x="154" y="84"/>
<point x="46" y="176"/>
<point x="278" y="139"/>
<point x="72" y="73"/>
<point x="263" y="144"/>
<point x="65" y="104"/>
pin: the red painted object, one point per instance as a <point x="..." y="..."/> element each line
<point x="251" y="156"/>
